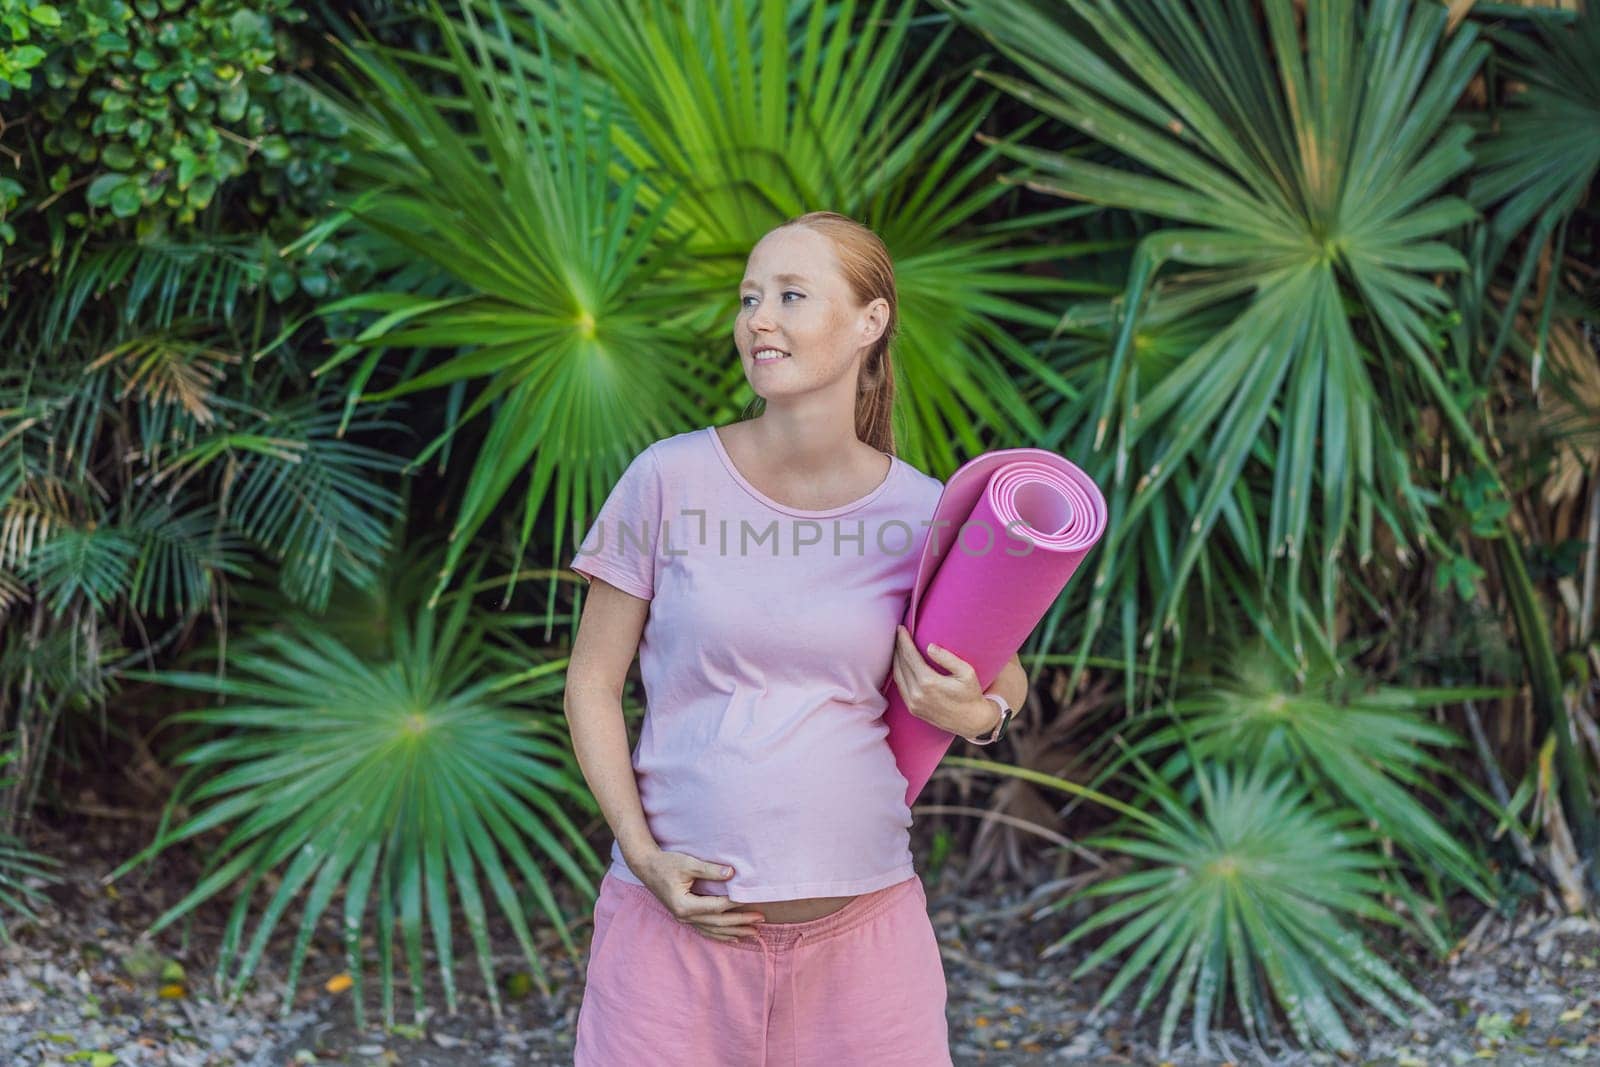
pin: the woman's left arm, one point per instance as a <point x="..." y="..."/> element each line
<point x="953" y="701"/>
<point x="1011" y="683"/>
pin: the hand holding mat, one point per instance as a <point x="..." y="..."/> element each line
<point x="1009" y="530"/>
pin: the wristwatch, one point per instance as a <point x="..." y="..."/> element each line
<point x="1000" y="728"/>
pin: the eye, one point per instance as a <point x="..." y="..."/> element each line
<point x="744" y="301"/>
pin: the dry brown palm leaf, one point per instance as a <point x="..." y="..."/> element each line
<point x="164" y="369"/>
<point x="40" y="506"/>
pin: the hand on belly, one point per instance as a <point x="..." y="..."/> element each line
<point x="800" y="910"/>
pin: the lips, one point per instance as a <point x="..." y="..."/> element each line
<point x="768" y="354"/>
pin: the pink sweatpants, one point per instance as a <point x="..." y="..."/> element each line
<point x="862" y="987"/>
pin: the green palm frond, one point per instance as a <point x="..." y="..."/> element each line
<point x="564" y="309"/>
<point x="1256" y="894"/>
<point x="296" y="486"/>
<point x="1540" y="156"/>
<point x="91" y="563"/>
<point x="158" y="281"/>
<point x="1302" y="169"/>
<point x="414" y="781"/>
<point x="1369" y="745"/>
<point x="760" y="110"/>
<point x="764" y="110"/>
<point x="34" y="506"/>
<point x="168" y="372"/>
<point x="42" y="470"/>
<point x="180" y="555"/>
<point x="21" y="870"/>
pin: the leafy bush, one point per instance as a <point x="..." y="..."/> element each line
<point x="1369" y="744"/>
<point x="19" y="869"/>
<point x="593" y="220"/>
<point x="150" y="107"/>
<point x="1271" y="818"/>
<point x="1256" y="892"/>
<point x="411" y="777"/>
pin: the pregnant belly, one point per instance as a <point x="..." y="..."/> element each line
<point x="803" y="909"/>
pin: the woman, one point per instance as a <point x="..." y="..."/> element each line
<point x="761" y="570"/>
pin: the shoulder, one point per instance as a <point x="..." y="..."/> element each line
<point x="924" y="488"/>
<point x="678" y="453"/>
<point x="660" y="453"/>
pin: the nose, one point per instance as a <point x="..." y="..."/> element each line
<point x="760" y="320"/>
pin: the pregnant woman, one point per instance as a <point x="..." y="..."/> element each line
<point x="761" y="906"/>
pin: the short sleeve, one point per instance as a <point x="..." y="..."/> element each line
<point x="620" y="546"/>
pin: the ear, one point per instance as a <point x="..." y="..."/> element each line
<point x="874" y="320"/>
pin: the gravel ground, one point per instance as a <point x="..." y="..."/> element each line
<point x="82" y="987"/>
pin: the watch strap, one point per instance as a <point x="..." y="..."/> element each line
<point x="1000" y="727"/>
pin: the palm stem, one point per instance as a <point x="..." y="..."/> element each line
<point x="1548" y="701"/>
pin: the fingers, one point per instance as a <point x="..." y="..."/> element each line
<point x="906" y="658"/>
<point x="714" y="937"/>
<point x="732" y="918"/>
<point x="728" y="926"/>
<point x="696" y="905"/>
<point x="905" y="646"/>
<point x="951" y="662"/>
<point x="718" y="917"/>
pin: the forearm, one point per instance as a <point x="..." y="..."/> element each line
<point x="600" y="742"/>
<point x="1011" y="683"/>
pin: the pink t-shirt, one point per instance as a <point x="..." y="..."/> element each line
<point x="770" y="631"/>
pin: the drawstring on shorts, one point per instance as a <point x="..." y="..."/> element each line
<point x="769" y="976"/>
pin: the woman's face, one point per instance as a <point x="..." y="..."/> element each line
<point x="799" y="326"/>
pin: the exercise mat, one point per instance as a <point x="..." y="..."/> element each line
<point x="1009" y="530"/>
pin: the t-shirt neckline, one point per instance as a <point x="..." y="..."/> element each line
<point x="745" y="484"/>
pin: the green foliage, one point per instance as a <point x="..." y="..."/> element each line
<point x="1483" y="499"/>
<point x="1552" y="117"/>
<point x="1255" y="894"/>
<point x="1273" y="815"/>
<point x="151" y="107"/>
<point x="1368" y="745"/>
<point x="132" y="489"/>
<point x="595" y="251"/>
<point x="414" y="779"/>
<point x="1302" y="169"/>
<point x="297" y="489"/>
<point x="23" y="24"/>
<point x="760" y="110"/>
<point x="560" y="295"/>
<point x="20" y="869"/>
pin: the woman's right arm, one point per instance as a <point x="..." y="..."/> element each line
<point x="608" y="639"/>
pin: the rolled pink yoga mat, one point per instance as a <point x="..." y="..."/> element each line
<point x="980" y="590"/>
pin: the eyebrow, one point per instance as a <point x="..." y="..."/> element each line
<point x="783" y="278"/>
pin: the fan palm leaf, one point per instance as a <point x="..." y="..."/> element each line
<point x="561" y="302"/>
<point x="413" y="781"/>
<point x="1303" y="179"/>
<point x="760" y="110"/>
<point x="1256" y="892"/>
<point x="1554" y="119"/>
<point x="1369" y="745"/>
<point x="299" y="489"/>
